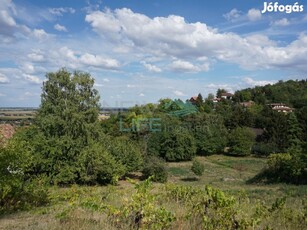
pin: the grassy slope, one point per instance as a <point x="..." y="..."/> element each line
<point x="230" y="174"/>
<point x="226" y="173"/>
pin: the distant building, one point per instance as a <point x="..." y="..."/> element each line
<point x="193" y="99"/>
<point x="227" y="96"/>
<point x="281" y="107"/>
<point x="215" y="100"/>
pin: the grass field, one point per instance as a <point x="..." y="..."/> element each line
<point x="81" y="207"/>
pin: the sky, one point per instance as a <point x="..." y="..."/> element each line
<point x="139" y="51"/>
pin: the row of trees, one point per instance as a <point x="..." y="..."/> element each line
<point x="224" y="127"/>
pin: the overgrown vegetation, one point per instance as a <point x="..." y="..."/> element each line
<point x="68" y="145"/>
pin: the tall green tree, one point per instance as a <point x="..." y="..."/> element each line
<point x="69" y="105"/>
<point x="294" y="134"/>
<point x="200" y="102"/>
<point x="276" y="126"/>
<point x="66" y="138"/>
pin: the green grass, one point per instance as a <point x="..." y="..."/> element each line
<point x="230" y="174"/>
<point x="78" y="207"/>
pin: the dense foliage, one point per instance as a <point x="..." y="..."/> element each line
<point x="156" y="169"/>
<point x="68" y="144"/>
<point x="19" y="190"/>
<point x="209" y="132"/>
<point x="241" y="140"/>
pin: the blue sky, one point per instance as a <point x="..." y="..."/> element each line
<point x="139" y="51"/>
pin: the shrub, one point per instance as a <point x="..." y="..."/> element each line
<point x="19" y="190"/>
<point x="173" y="145"/>
<point x="99" y="166"/>
<point x="125" y="151"/>
<point x="141" y="211"/>
<point x="285" y="167"/>
<point x="241" y="141"/>
<point x="198" y="168"/>
<point x="156" y="168"/>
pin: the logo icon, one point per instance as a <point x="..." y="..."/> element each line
<point x="179" y="108"/>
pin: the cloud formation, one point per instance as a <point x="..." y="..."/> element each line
<point x="232" y="15"/>
<point x="173" y="37"/>
<point x="151" y="67"/>
<point x="281" y="22"/>
<point x="254" y="14"/>
<point x="252" y="83"/>
<point x="62" y="10"/>
<point x="3" y="79"/>
<point x="59" y="27"/>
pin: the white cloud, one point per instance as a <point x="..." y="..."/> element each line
<point x="9" y="28"/>
<point x="254" y="14"/>
<point x="59" y="27"/>
<point x="98" y="85"/>
<point x="131" y="86"/>
<point x="6" y="19"/>
<point x="106" y="80"/>
<point x="212" y="87"/>
<point x="151" y="68"/>
<point x="36" y="57"/>
<point x="98" y="61"/>
<point x="40" y="34"/>
<point x="2" y="95"/>
<point x="3" y="79"/>
<point x="252" y="82"/>
<point x="178" y="93"/>
<point x="75" y="59"/>
<point x="28" y="94"/>
<point x="281" y="22"/>
<point x="260" y="40"/>
<point x="185" y="66"/>
<point x="32" y="79"/>
<point x="232" y="15"/>
<point x="68" y="53"/>
<point x="141" y="95"/>
<point x="172" y="37"/>
<point x="27" y="68"/>
<point x="61" y="10"/>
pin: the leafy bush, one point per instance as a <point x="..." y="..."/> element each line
<point x="155" y="168"/>
<point x="142" y="211"/>
<point x="125" y="151"/>
<point x="241" y="141"/>
<point x="209" y="208"/>
<point x="198" y="168"/>
<point x="99" y="166"/>
<point x="286" y="167"/>
<point x="174" y="145"/>
<point x="17" y="189"/>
